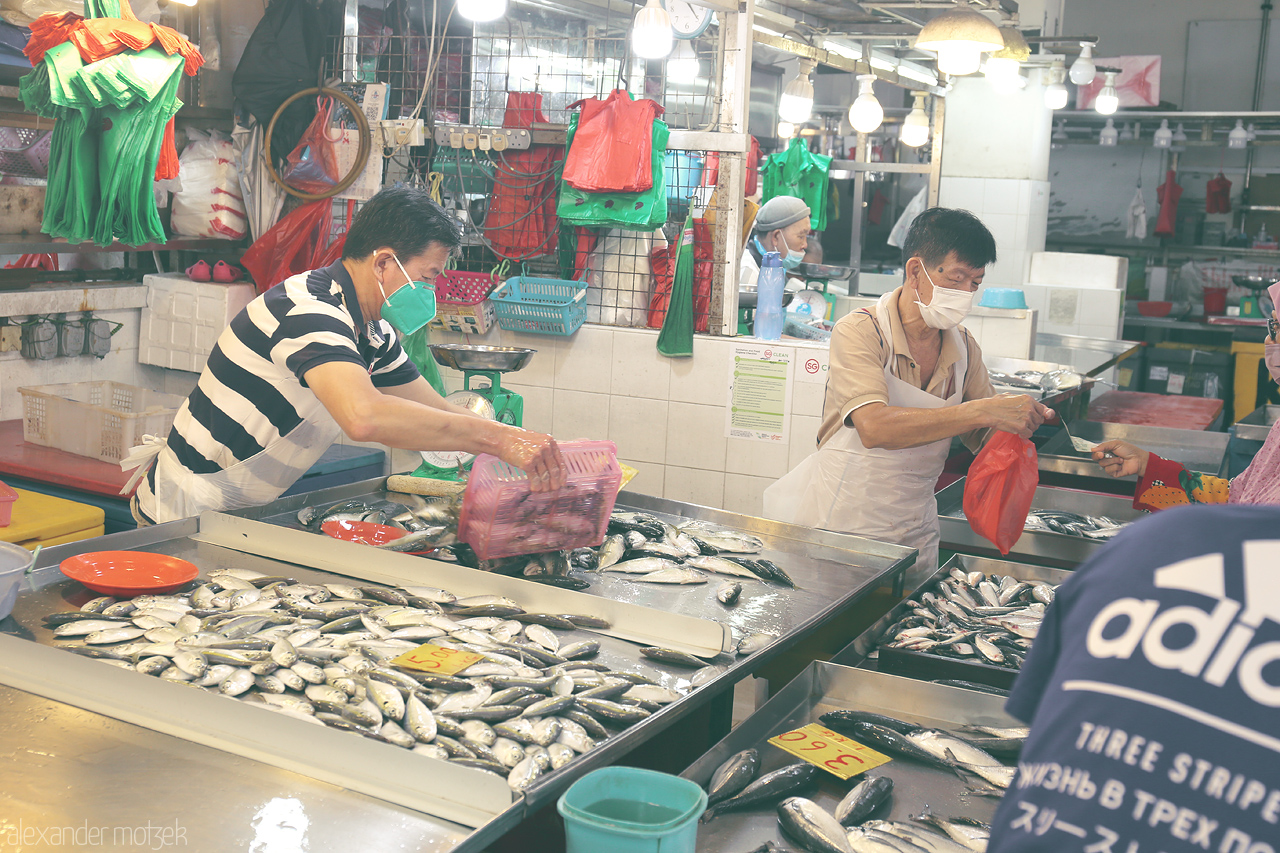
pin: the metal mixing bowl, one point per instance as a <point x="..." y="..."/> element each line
<point x="467" y="357"/>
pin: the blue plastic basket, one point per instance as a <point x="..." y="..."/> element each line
<point x="540" y="306"/>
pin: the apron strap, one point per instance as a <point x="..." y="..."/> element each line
<point x="140" y="460"/>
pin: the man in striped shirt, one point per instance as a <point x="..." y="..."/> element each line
<point x="311" y="359"/>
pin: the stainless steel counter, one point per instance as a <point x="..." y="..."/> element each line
<point x="826" y="687"/>
<point x="1257" y="424"/>
<point x="1090" y="356"/>
<point x="73" y="767"/>
<point x="1198" y="450"/>
<point x="1056" y="550"/>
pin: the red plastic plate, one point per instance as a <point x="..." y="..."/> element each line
<point x="364" y="532"/>
<point x="128" y="573"/>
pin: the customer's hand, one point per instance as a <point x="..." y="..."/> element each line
<point x="537" y="455"/>
<point x="1124" y="459"/>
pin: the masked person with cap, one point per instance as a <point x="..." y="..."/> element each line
<point x="782" y="226"/>
<point x="316" y="357"/>
<point x="904" y="379"/>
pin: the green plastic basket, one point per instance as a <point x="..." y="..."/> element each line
<point x="540" y="306"/>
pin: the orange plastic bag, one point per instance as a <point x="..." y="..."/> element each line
<point x="613" y="144"/>
<point x="998" y="490"/>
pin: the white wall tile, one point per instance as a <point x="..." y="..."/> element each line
<point x="744" y="494"/>
<point x="1073" y="269"/>
<point x="695" y="436"/>
<point x="807" y="398"/>
<point x="1003" y="226"/>
<point x="650" y="479"/>
<point x="695" y="486"/>
<point x="1025" y="191"/>
<point x="804" y="439"/>
<point x="1000" y="195"/>
<point x="541" y="369"/>
<point x="638" y="369"/>
<point x="704" y="378"/>
<point x="762" y="458"/>
<point x="639" y="428"/>
<point x="539" y="407"/>
<point x="584" y="362"/>
<point x="1008" y="338"/>
<point x="580" y="414"/>
<point x="964" y="193"/>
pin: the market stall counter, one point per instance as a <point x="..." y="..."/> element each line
<point x="1061" y="465"/>
<point x="344" y="779"/>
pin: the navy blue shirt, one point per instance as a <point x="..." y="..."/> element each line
<point x="1153" y="692"/>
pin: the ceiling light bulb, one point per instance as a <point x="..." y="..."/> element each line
<point x="796" y="103"/>
<point x="960" y="37"/>
<point x="651" y="36"/>
<point x="1163" y="137"/>
<point x="866" y="114"/>
<point x="1055" y="93"/>
<point x="1002" y="73"/>
<point x="915" y="127"/>
<point x="1107" y="101"/>
<point x="786" y="130"/>
<point x="480" y="11"/>
<point x="1109" y="134"/>
<point x="683" y="63"/>
<point x="1083" y="70"/>
<point x="1179" y="135"/>
<point x="1238" y="137"/>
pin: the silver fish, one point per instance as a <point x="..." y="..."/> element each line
<point x="672" y="575"/>
<point x="913" y="838"/>
<point x="642" y="566"/>
<point x="114" y="635"/>
<point x="863" y="800"/>
<point x="971" y="835"/>
<point x="812" y="827"/>
<point x="611" y="551"/>
<point x="524" y="774"/>
<point x="942" y="745"/>
<point x="706" y="675"/>
<point x="755" y="643"/>
<point x="736" y="773"/>
<point x="721" y="566"/>
<point x="728" y="593"/>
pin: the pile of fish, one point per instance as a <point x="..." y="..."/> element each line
<point x="426" y="525"/>
<point x="322" y="653"/>
<point x="853" y="827"/>
<point x="974" y="616"/>
<point x="1072" y="524"/>
<point x="650" y="550"/>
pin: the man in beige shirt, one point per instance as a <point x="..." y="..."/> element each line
<point x="904" y="379"/>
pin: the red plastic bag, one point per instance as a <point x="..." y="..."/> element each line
<point x="753" y="168"/>
<point x="297" y="243"/>
<point x="998" y="490"/>
<point x="313" y="163"/>
<point x="613" y="144"/>
<point x="662" y="261"/>
<point x="521" y="222"/>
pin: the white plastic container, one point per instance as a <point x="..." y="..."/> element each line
<point x="14" y="562"/>
<point x="100" y="419"/>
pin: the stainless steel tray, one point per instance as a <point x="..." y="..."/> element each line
<point x="1198" y="450"/>
<point x="1046" y="549"/>
<point x="855" y="654"/>
<point x="825" y="687"/>
<point x="1090" y="356"/>
<point x="833" y="571"/>
<point x="1257" y="424"/>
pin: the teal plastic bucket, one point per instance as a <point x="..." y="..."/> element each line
<point x="629" y="810"/>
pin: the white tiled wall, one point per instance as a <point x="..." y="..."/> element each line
<point x="667" y="416"/>
<point x="1016" y="212"/>
<point x="1091" y="312"/>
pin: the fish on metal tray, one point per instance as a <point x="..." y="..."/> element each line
<point x="728" y="593"/>
<point x="737" y="771"/>
<point x="864" y="800"/>
<point x="811" y="826"/>
<point x="674" y="575"/>
<point x="768" y="789"/>
<point x="671" y="656"/>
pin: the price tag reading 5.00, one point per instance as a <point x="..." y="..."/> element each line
<point x="834" y="753"/>
<point x="429" y="658"/>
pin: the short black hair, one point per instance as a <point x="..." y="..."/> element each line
<point x="403" y="218"/>
<point x="939" y="231"/>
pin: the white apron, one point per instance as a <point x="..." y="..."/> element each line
<point x="260" y="479"/>
<point x="885" y="495"/>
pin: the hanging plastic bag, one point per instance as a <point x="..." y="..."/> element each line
<point x="521" y="219"/>
<point x="618" y="277"/>
<point x="297" y="243"/>
<point x="631" y="211"/>
<point x="209" y="202"/>
<point x="612" y="147"/>
<point x="313" y="163"/>
<point x="998" y="490"/>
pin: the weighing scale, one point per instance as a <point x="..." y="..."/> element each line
<point x="490" y="401"/>
<point x="1257" y="305"/>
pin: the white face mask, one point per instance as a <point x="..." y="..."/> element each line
<point x="946" y="308"/>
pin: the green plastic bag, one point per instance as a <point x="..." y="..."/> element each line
<point x="676" y="338"/>
<point x="641" y="211"/>
<point x="418" y="347"/>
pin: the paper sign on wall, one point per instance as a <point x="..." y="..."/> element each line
<point x="759" y="392"/>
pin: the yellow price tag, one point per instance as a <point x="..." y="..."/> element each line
<point x="429" y="658"/>
<point x="834" y="753"/>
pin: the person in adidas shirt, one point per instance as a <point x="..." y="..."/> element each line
<point x="1153" y="693"/>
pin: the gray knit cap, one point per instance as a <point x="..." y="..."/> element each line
<point x="779" y="212"/>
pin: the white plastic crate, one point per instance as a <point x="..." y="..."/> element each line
<point x="183" y="318"/>
<point x="99" y="419"/>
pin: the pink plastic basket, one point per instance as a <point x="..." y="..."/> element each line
<point x="501" y="517"/>
<point x="7" y="497"/>
<point x="464" y="288"/>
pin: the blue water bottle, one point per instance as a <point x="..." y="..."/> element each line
<point x="769" y="286"/>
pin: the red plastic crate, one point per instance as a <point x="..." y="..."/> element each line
<point x="501" y="517"/>
<point x="464" y="288"/>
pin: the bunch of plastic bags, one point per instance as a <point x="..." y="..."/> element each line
<point x="111" y="81"/>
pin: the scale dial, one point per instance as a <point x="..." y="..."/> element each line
<point x="687" y="20"/>
<point x="451" y="459"/>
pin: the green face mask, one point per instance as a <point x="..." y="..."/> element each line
<point x="411" y="306"/>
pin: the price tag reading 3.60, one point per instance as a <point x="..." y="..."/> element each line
<point x="834" y="753"/>
<point x="429" y="658"/>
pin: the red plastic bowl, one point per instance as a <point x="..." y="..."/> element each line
<point x="364" y="532"/>
<point x="1155" y="309"/>
<point x="128" y="573"/>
